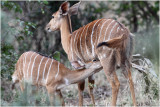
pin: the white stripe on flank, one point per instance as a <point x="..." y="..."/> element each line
<point x="49" y="71"/>
<point x="74" y="43"/>
<point x="33" y="65"/>
<point x="71" y="48"/>
<point x="102" y="28"/>
<point x="75" y="37"/>
<point x="92" y="38"/>
<point x="21" y="67"/>
<point x="30" y="62"/>
<point x="18" y="69"/>
<point x="45" y="68"/>
<point x="20" y="73"/>
<point x="97" y="32"/>
<point x="85" y="40"/>
<point x="112" y="30"/>
<point x="76" y="50"/>
<point x="107" y="29"/>
<point x="39" y="68"/>
<point x="117" y="29"/>
<point x="81" y="39"/>
<point x="57" y="72"/>
<point x="25" y="64"/>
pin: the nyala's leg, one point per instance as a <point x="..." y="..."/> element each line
<point x="91" y="86"/>
<point x="22" y="86"/>
<point x="51" y="93"/>
<point x="60" y="97"/>
<point x="81" y="86"/>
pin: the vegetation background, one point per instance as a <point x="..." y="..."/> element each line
<point x="22" y="29"/>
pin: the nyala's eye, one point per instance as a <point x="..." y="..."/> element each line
<point x="52" y="17"/>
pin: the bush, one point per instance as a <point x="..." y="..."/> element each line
<point x="8" y="60"/>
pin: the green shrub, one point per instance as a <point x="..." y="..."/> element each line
<point x="8" y="61"/>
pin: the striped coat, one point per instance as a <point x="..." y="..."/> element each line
<point x="83" y="41"/>
<point x="38" y="69"/>
<point x="41" y="70"/>
<point x="105" y="40"/>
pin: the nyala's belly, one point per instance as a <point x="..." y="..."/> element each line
<point x="79" y="61"/>
<point x="81" y="57"/>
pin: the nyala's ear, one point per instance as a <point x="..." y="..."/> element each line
<point x="74" y="9"/>
<point x="64" y="8"/>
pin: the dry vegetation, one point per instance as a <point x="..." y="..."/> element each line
<point x="145" y="84"/>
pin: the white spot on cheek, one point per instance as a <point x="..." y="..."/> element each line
<point x="66" y="81"/>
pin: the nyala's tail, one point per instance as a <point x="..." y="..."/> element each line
<point x="14" y="79"/>
<point x="113" y="43"/>
<point x="124" y="43"/>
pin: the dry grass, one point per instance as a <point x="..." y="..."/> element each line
<point x="102" y="93"/>
<point x="145" y="84"/>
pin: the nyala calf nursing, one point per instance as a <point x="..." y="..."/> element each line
<point x="40" y="70"/>
<point x="105" y="40"/>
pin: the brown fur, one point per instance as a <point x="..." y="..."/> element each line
<point x="114" y="43"/>
<point x="81" y="44"/>
<point x="55" y="77"/>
